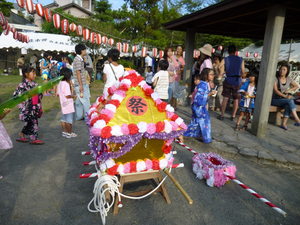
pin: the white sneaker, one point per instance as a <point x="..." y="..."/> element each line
<point x="73" y="135"/>
<point x="66" y="135"/>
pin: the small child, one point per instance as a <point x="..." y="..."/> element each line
<point x="200" y="125"/>
<point x="248" y="93"/>
<point x="5" y="141"/>
<point x="30" y="110"/>
<point x="161" y="80"/>
<point x="149" y="75"/>
<point x="65" y="90"/>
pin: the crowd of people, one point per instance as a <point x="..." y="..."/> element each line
<point x="216" y="80"/>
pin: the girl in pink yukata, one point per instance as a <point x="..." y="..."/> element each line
<point x="5" y="141"/>
<point x="66" y="97"/>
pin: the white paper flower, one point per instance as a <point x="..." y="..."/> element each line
<point x="142" y="127"/>
<point x="179" y="121"/>
<point x="117" y="97"/>
<point x="142" y="83"/>
<point x="155" y="96"/>
<point x="111" y="107"/>
<point x="110" y="163"/>
<point x="163" y="163"/>
<point x="168" y="127"/>
<point x="140" y="166"/>
<point x="126" y="81"/>
<point x="100" y="124"/>
<point x="169" y="108"/>
<point x="120" y="169"/>
<point x="116" y="131"/>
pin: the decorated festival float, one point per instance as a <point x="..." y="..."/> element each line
<point x="131" y="135"/>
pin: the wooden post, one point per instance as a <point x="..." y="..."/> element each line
<point x="272" y="40"/>
<point x="189" y="49"/>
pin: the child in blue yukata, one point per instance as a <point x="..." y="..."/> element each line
<point x="248" y="93"/>
<point x="200" y="126"/>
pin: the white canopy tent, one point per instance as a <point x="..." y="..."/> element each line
<point x="283" y="52"/>
<point x="43" y="42"/>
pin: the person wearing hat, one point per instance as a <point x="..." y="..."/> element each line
<point x="234" y="67"/>
<point x="204" y="61"/>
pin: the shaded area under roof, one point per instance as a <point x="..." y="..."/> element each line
<point x="239" y="18"/>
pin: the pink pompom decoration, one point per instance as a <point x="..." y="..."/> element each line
<point x="183" y="126"/>
<point x="125" y="129"/>
<point x="170" y="114"/>
<point x="146" y="86"/>
<point x="158" y="101"/>
<point x="107" y="112"/>
<point x="148" y="164"/>
<point x="127" y="168"/>
<point x="95" y="131"/>
<point x="151" y="128"/>
<point x="121" y="93"/>
<point x="174" y="125"/>
<point x="170" y="162"/>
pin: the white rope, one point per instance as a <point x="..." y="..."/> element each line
<point x="106" y="183"/>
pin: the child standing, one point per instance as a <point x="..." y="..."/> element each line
<point x="149" y="75"/>
<point x="248" y="93"/>
<point x="5" y="141"/>
<point x="30" y="110"/>
<point x="200" y="124"/>
<point x="161" y="80"/>
<point x="66" y="97"/>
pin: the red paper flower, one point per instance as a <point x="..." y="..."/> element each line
<point x="104" y="117"/>
<point x="114" y="102"/>
<point x="155" y="164"/>
<point x="123" y="87"/>
<point x="167" y="149"/>
<point x="132" y="167"/>
<point x="111" y="90"/>
<point x="101" y="99"/>
<point x="174" y="117"/>
<point x="113" y="170"/>
<point x="149" y="91"/>
<point x="133" y="128"/>
<point x="162" y="106"/>
<point x="106" y="132"/>
<point x="160" y="126"/>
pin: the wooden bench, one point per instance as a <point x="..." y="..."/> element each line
<point x="279" y="112"/>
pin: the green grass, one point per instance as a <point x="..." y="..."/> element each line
<point x="9" y="83"/>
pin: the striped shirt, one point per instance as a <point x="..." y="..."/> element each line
<point x="78" y="65"/>
<point x="162" y="84"/>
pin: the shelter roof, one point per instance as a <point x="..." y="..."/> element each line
<point x="239" y="18"/>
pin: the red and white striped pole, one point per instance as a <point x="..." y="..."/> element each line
<point x="86" y="153"/>
<point x="252" y="192"/>
<point x="242" y="185"/>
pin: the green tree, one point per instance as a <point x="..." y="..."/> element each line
<point x="103" y="11"/>
<point x="5" y="8"/>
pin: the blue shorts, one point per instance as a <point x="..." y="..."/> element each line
<point x="246" y="110"/>
<point x="67" y="118"/>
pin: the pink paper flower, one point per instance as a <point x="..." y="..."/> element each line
<point x="125" y="129"/>
<point x="148" y="164"/>
<point x="158" y="101"/>
<point x="107" y="112"/>
<point x="127" y="168"/>
<point x="183" y="126"/>
<point x="174" y="125"/>
<point x="151" y="128"/>
<point x="170" y="114"/>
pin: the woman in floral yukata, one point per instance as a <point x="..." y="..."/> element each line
<point x="30" y="110"/>
<point x="200" y="126"/>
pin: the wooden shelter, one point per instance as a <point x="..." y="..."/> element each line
<point x="270" y="20"/>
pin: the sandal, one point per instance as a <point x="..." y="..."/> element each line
<point x="22" y="140"/>
<point x="220" y="117"/>
<point x="297" y="124"/>
<point x="284" y="127"/>
<point x="37" y="142"/>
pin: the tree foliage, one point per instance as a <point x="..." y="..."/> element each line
<point x="5" y="8"/>
<point x="141" y="21"/>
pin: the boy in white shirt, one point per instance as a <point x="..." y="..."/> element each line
<point x="161" y="80"/>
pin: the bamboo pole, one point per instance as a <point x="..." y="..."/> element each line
<point x="180" y="188"/>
